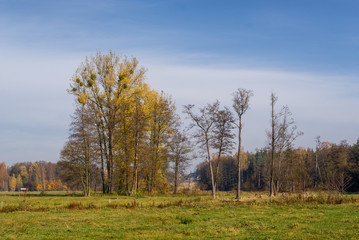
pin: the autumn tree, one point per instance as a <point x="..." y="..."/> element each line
<point x="133" y="122"/>
<point x="139" y="122"/>
<point x="100" y="83"/>
<point x="162" y="118"/>
<point x="241" y="99"/>
<point x="24" y="175"/>
<point x="337" y="168"/>
<point x="12" y="182"/>
<point x="19" y="184"/>
<point x="34" y="176"/>
<point x="4" y="177"/>
<point x="131" y="135"/>
<point x="298" y="169"/>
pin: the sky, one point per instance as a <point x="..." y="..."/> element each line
<point x="307" y="52"/>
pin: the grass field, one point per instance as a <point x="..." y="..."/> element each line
<point x="60" y="216"/>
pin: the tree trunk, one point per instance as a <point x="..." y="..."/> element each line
<point x="210" y="168"/>
<point x="135" y="178"/>
<point x="271" y="187"/>
<point x="239" y="158"/>
<point x="176" y="176"/>
<point x="110" y="161"/>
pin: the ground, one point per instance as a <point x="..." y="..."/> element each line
<point x="194" y="216"/>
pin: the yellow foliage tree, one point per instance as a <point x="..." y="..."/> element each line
<point x="12" y="183"/>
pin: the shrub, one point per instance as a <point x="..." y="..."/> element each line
<point x="185" y="220"/>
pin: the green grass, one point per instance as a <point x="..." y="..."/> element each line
<point x="60" y="216"/>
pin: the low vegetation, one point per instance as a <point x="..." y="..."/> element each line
<point x="64" y="215"/>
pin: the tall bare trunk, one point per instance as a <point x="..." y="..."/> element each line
<point x="271" y="187"/>
<point x="211" y="168"/>
<point x="239" y="158"/>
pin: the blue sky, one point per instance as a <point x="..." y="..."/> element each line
<point x="197" y="51"/>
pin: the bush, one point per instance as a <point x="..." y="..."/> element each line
<point x="185" y="220"/>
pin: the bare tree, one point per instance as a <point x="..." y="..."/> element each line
<point x="79" y="155"/>
<point x="204" y="121"/>
<point x="282" y="136"/>
<point x="222" y="140"/>
<point x="240" y="105"/>
<point x="179" y="148"/>
<point x="272" y="136"/>
<point x="317" y="170"/>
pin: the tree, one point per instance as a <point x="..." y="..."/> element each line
<point x="353" y="164"/>
<point x="161" y="119"/>
<point x="179" y="147"/>
<point x="18" y="182"/>
<point x="100" y="83"/>
<point x="241" y="99"/>
<point x="204" y="122"/>
<point x="282" y="136"/>
<point x="139" y="123"/>
<point x="4" y="177"/>
<point x="24" y="175"/>
<point x="338" y="177"/>
<point x="299" y="168"/>
<point x="12" y="182"/>
<point x="222" y="140"/>
<point x="317" y="169"/>
<point x="80" y="152"/>
<point x="273" y="139"/>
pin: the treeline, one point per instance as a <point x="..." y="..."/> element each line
<point x="127" y="138"/>
<point x="333" y="167"/>
<point x="37" y="176"/>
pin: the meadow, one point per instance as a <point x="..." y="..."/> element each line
<point x="61" y="215"/>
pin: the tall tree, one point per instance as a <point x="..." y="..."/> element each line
<point x="204" y="122"/>
<point x="4" y="177"/>
<point x="241" y="99"/>
<point x="282" y="136"/>
<point x="80" y="153"/>
<point x="273" y="139"/>
<point x="317" y="169"/>
<point x="222" y="140"/>
<point x="100" y="82"/>
<point x="161" y="119"/>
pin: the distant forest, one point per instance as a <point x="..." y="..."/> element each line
<point x="332" y="167"/>
<point x="127" y="138"/>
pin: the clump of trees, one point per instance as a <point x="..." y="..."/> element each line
<point x="214" y="133"/>
<point x="126" y="136"/>
<point x="122" y="130"/>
